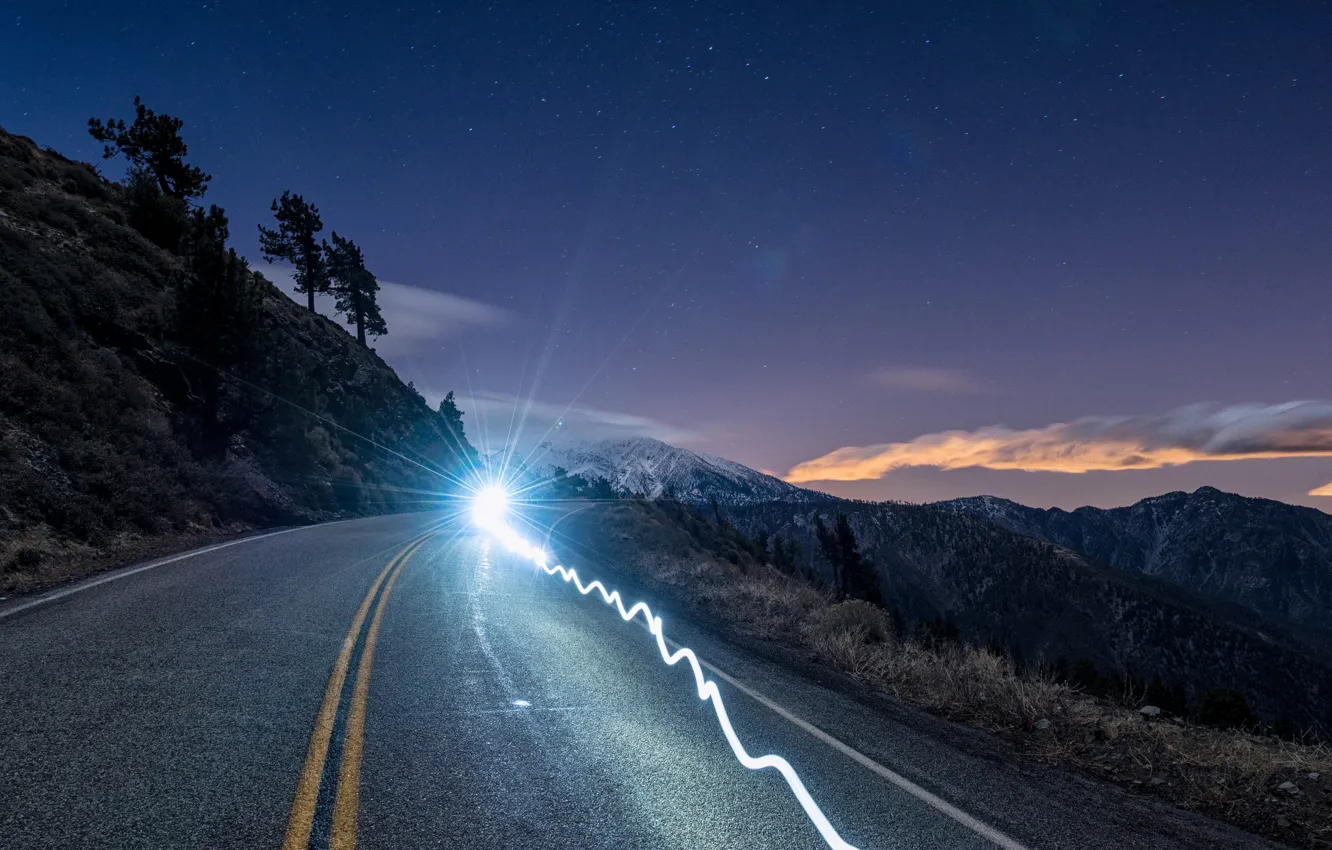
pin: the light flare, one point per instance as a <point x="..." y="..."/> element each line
<point x="490" y="505"/>
<point x="489" y="514"/>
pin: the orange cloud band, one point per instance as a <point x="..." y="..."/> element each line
<point x="1325" y="490"/>
<point x="1187" y="435"/>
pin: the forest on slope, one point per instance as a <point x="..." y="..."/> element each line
<point x="154" y="388"/>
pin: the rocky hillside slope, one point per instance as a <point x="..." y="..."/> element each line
<point x="1046" y="602"/>
<point x="1268" y="556"/>
<point x="100" y="408"/>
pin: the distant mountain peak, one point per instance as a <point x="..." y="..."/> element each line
<point x="653" y="468"/>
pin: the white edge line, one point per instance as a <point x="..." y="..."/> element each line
<point x="933" y="800"/>
<point x="116" y="576"/>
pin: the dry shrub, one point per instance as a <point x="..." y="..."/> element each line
<point x="1228" y="774"/>
<point x="761" y="602"/>
<point x="761" y="606"/>
<point x="850" y="614"/>
<point x="971" y="684"/>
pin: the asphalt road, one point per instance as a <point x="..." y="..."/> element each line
<point x="373" y="684"/>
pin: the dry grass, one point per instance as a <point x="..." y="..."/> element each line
<point x="39" y="559"/>
<point x="1229" y="775"/>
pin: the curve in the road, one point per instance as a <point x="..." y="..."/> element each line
<point x="934" y="801"/>
<point x="489" y="520"/>
<point x="346" y="805"/>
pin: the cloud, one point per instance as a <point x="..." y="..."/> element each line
<point x="416" y="317"/>
<point x="491" y="417"/>
<point x="927" y="380"/>
<point x="1325" y="490"/>
<point x="1188" y="434"/>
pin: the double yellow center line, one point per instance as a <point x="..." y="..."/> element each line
<point x="347" y="802"/>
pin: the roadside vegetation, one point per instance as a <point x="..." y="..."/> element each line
<point x="1216" y="761"/>
<point x="155" y="391"/>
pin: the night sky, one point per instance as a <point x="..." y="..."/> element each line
<point x="775" y="231"/>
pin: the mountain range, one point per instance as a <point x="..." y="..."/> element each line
<point x="1046" y="601"/>
<point x="1267" y="556"/>
<point x="1208" y="589"/>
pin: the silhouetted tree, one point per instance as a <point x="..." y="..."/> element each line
<point x="217" y="315"/>
<point x="451" y="420"/>
<point x="717" y="515"/>
<point x="858" y="577"/>
<point x="828" y="546"/>
<point x="160" y="218"/>
<point x="781" y="556"/>
<point x="898" y="621"/>
<point x="153" y="146"/>
<point x="294" y="241"/>
<point x="355" y="288"/>
<point x="761" y="546"/>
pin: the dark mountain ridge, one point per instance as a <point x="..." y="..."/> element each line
<point x="1049" y="603"/>
<point x="1067" y="586"/>
<point x="1265" y="555"/>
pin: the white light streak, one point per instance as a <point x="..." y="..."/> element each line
<point x="488" y="513"/>
<point x="489" y="505"/>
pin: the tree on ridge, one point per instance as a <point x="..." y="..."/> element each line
<point x="294" y="241"/>
<point x="355" y="288"/>
<point x="153" y="146"/>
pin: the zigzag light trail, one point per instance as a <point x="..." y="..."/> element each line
<point x="488" y="512"/>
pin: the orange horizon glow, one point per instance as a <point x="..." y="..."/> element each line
<point x="1188" y="435"/>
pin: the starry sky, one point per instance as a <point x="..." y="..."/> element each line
<point x="1063" y="251"/>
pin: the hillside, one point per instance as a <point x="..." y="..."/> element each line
<point x="114" y="431"/>
<point x="683" y="559"/>
<point x="974" y="563"/>
<point x="1268" y="556"/>
<point x="1041" y="601"/>
<point x="652" y="468"/>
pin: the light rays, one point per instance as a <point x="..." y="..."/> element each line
<point x="489" y="512"/>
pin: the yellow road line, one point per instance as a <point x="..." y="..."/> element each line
<point x="348" y="802"/>
<point x="307" y="790"/>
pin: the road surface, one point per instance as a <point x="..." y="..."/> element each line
<point x="395" y="682"/>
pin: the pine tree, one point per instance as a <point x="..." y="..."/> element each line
<point x="761" y="546"/>
<point x="717" y="514"/>
<point x="781" y="557"/>
<point x="218" y="309"/>
<point x="294" y="241"/>
<point x="153" y="146"/>
<point x="859" y="579"/>
<point x="451" y="417"/>
<point x="355" y="288"/>
<point x="831" y="552"/>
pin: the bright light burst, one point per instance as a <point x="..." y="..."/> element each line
<point x="489" y="505"/>
<point x="488" y="511"/>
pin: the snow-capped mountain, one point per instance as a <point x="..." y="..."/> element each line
<point x="653" y="468"/>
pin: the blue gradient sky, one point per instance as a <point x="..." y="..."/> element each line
<point x="773" y="230"/>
